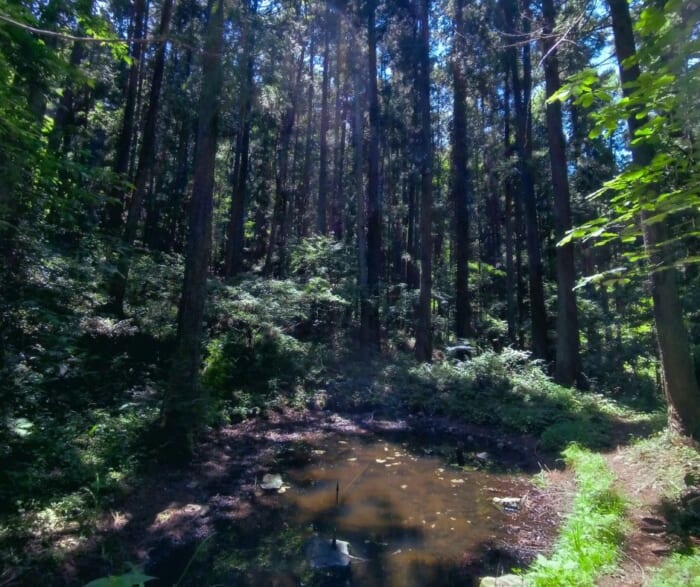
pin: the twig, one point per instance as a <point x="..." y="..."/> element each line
<point x="67" y="37"/>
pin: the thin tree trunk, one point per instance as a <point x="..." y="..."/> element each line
<point x="521" y="95"/>
<point x="303" y="197"/>
<point x="185" y="404"/>
<point x="424" y="339"/>
<point x="460" y="178"/>
<point x="144" y="169"/>
<point x="568" y="364"/>
<point x="358" y="158"/>
<point x="322" y="202"/>
<point x="115" y="206"/>
<point x="679" y="381"/>
<point x="233" y="255"/>
<point x="511" y="276"/>
<point x="369" y="312"/>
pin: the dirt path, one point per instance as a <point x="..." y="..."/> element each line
<point x="647" y="543"/>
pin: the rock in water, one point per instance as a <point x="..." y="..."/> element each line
<point x="503" y="581"/>
<point x="326" y="554"/>
<point x="271" y="482"/>
<point x="507" y="504"/>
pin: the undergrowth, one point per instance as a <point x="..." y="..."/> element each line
<point x="679" y="569"/>
<point x="589" y="541"/>
<point x="504" y="389"/>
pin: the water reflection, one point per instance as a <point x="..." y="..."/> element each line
<point x="409" y="516"/>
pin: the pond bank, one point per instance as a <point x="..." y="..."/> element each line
<point x="215" y="517"/>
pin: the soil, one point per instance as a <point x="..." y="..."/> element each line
<point x="649" y="538"/>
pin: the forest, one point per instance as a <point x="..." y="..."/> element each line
<point x="349" y="292"/>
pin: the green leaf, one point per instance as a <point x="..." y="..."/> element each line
<point x="20" y="427"/>
<point x="134" y="577"/>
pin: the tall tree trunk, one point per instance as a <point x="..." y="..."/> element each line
<point x="322" y="202"/>
<point x="278" y="229"/>
<point x="680" y="384"/>
<point x="509" y="221"/>
<point x="233" y="255"/>
<point x="303" y="195"/>
<point x="144" y="168"/>
<point x="338" y="208"/>
<point x="460" y="177"/>
<point x="567" y="366"/>
<point x="358" y="158"/>
<point x="115" y="206"/>
<point x="369" y="312"/>
<point x="185" y="402"/>
<point x="521" y="96"/>
<point x="424" y="339"/>
<point x="64" y="118"/>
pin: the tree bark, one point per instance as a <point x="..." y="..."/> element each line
<point x="144" y="168"/>
<point x="568" y="364"/>
<point x="185" y="404"/>
<point x="521" y="97"/>
<point x="460" y="177"/>
<point x="369" y="311"/>
<point x="322" y="201"/>
<point x="679" y="381"/>
<point x="115" y="207"/>
<point x="424" y="339"/>
<point x="235" y="237"/>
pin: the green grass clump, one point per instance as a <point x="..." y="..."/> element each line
<point x="679" y="569"/>
<point x="589" y="541"/>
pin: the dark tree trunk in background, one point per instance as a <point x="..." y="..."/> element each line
<point x="521" y="96"/>
<point x="424" y="339"/>
<point x="511" y="274"/>
<point x="115" y="207"/>
<point x="185" y="404"/>
<point x="276" y="252"/>
<point x="144" y="169"/>
<point x="369" y="312"/>
<point x="460" y="177"/>
<point x="303" y="196"/>
<point x="567" y="367"/>
<point x="358" y="111"/>
<point x="64" y="119"/>
<point x="679" y="381"/>
<point x="322" y="202"/>
<point x="338" y="216"/>
<point x="235" y="234"/>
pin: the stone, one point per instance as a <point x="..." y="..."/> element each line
<point x="507" y="504"/>
<point x="504" y="581"/>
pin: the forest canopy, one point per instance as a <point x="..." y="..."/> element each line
<point x="239" y="179"/>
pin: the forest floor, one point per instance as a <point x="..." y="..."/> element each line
<point x="169" y="518"/>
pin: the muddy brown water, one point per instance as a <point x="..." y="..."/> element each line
<point x="410" y="518"/>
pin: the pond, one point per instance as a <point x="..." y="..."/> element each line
<point x="404" y="513"/>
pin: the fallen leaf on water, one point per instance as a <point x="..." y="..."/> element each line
<point x="381" y="461"/>
<point x="404" y="486"/>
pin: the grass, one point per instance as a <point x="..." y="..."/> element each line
<point x="679" y="569"/>
<point x="506" y="390"/>
<point x="589" y="542"/>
